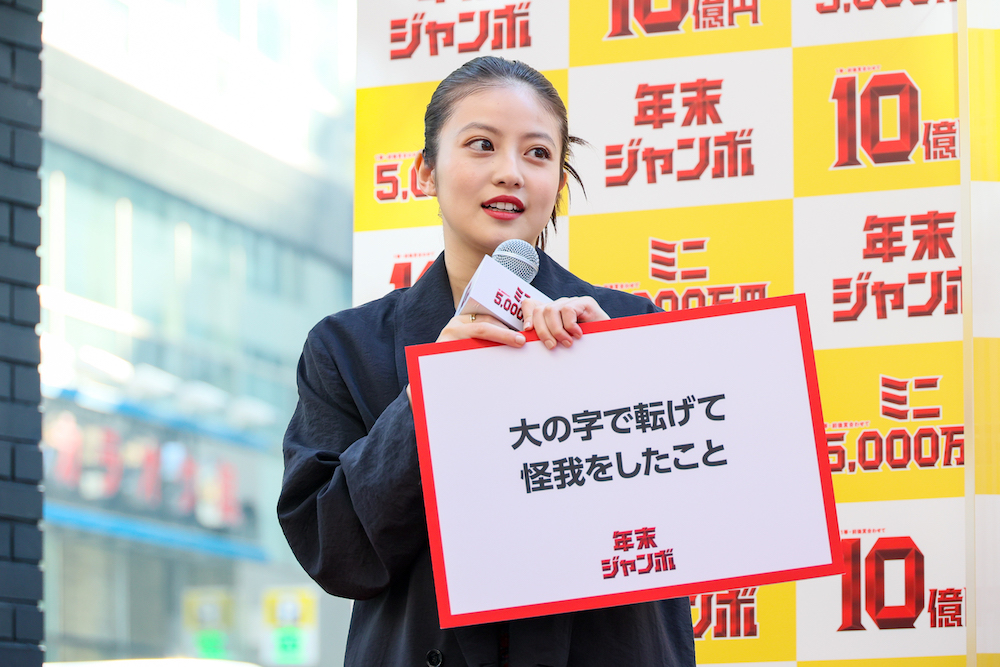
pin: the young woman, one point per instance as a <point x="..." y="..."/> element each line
<point x="495" y="156"/>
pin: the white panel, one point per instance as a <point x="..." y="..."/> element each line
<point x="936" y="528"/>
<point x="830" y="244"/>
<point x="557" y="244"/>
<point x="984" y="14"/>
<point x="544" y="22"/>
<point x="987" y="574"/>
<point x="603" y="109"/>
<point x="839" y="21"/>
<point x="377" y="254"/>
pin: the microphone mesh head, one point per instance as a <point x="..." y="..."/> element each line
<point x="519" y="257"/>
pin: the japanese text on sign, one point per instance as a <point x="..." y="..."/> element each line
<point x="507" y="27"/>
<point x="895" y="405"/>
<point x="663" y="260"/>
<point x="708" y="15"/>
<point x="404" y="265"/>
<point x="735" y="613"/>
<point x="511" y="303"/>
<point x="664" y="257"/>
<point x="642" y="563"/>
<point x="390" y="185"/>
<point x="945" y="605"/>
<point x="884" y="236"/>
<point x="939" y="137"/>
<point x="641" y="417"/>
<point x="831" y="6"/>
<point x="569" y="471"/>
<point x="927" y="446"/>
<point x="729" y="154"/>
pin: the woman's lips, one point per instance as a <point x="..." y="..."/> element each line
<point x="504" y="207"/>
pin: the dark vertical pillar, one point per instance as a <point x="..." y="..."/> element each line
<point x="20" y="421"/>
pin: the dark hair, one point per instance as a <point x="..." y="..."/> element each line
<point x="490" y="72"/>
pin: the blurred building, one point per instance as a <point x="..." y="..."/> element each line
<point x="196" y="214"/>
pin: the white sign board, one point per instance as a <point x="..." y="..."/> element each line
<point x="662" y="455"/>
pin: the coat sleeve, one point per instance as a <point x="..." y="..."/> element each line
<point x="621" y="304"/>
<point x="350" y="506"/>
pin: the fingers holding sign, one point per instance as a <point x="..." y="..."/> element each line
<point x="478" y="325"/>
<point x="555" y="323"/>
<point x="558" y="323"/>
<point x="482" y="326"/>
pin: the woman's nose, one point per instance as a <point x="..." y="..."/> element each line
<point x="508" y="170"/>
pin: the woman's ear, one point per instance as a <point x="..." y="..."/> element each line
<point x="425" y="175"/>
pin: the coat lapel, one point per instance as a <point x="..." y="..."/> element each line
<point x="556" y="282"/>
<point x="422" y="313"/>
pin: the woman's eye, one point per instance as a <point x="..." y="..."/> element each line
<point x="540" y="153"/>
<point x="482" y="144"/>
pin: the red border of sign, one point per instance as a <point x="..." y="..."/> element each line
<point x="835" y="566"/>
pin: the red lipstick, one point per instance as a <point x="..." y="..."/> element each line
<point x="503" y="207"/>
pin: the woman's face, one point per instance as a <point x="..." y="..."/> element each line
<point x="498" y="169"/>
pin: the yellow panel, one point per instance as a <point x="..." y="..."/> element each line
<point x="988" y="660"/>
<point x="930" y="62"/>
<point x="590" y="25"/>
<point x="390" y="133"/>
<point x="984" y="104"/>
<point x="775" y="640"/>
<point x="390" y="130"/>
<point x="987" y="395"/>
<point x="938" y="661"/>
<point x="746" y="244"/>
<point x="851" y="392"/>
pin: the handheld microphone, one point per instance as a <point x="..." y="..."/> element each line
<point x="501" y="282"/>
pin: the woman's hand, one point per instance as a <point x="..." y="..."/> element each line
<point x="556" y="322"/>
<point x="482" y="326"/>
<point x="559" y="321"/>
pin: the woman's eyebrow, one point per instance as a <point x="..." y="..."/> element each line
<point x="480" y="126"/>
<point x="474" y="125"/>
<point x="540" y="135"/>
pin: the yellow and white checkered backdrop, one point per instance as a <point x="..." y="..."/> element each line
<point x="845" y="149"/>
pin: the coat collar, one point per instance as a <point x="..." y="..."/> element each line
<point x="556" y="282"/>
<point x="422" y="313"/>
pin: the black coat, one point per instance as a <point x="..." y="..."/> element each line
<point x="352" y="509"/>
